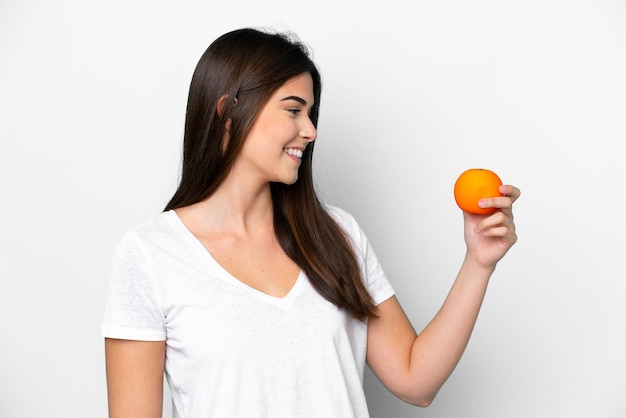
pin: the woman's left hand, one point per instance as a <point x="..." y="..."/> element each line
<point x="488" y="238"/>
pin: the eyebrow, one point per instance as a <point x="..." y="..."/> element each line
<point x="296" y="98"/>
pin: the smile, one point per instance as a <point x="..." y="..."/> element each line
<point x="294" y="151"/>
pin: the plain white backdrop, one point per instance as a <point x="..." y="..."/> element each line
<point x="92" y="100"/>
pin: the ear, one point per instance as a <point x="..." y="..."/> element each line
<point x="221" y="103"/>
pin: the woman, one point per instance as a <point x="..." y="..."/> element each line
<point x="255" y="299"/>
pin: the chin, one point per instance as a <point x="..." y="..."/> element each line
<point x="290" y="181"/>
<point x="286" y="177"/>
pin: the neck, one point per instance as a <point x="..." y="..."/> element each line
<point x="238" y="207"/>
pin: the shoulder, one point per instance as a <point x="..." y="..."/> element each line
<point x="159" y="225"/>
<point x="372" y="272"/>
<point x="341" y="216"/>
<point x="154" y="230"/>
<point x="347" y="222"/>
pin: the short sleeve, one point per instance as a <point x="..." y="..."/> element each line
<point x="377" y="283"/>
<point x="132" y="307"/>
<point x="373" y="274"/>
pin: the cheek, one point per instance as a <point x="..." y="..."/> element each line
<point x="270" y="137"/>
<point x="278" y="135"/>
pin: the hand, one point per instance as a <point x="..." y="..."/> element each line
<point x="488" y="238"/>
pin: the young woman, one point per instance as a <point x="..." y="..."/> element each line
<point x="253" y="297"/>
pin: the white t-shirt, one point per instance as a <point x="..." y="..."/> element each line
<point x="233" y="351"/>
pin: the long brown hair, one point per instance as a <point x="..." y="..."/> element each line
<point x="247" y="66"/>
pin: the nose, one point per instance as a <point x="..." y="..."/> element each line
<point x="308" y="130"/>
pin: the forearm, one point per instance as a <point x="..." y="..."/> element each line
<point x="439" y="347"/>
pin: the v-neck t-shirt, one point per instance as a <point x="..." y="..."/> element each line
<point x="231" y="350"/>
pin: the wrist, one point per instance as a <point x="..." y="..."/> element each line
<point x="476" y="269"/>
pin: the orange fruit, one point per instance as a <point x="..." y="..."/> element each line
<point x="475" y="184"/>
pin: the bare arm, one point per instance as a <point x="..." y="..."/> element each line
<point x="135" y="378"/>
<point x="414" y="368"/>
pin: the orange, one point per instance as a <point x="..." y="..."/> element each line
<point x="475" y="184"/>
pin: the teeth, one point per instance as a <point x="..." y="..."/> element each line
<point x="293" y="151"/>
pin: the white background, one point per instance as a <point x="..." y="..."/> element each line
<point x="92" y="98"/>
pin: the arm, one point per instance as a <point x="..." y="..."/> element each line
<point x="414" y="368"/>
<point x="135" y="378"/>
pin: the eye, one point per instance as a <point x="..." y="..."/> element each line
<point x="294" y="111"/>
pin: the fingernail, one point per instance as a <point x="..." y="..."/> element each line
<point x="482" y="203"/>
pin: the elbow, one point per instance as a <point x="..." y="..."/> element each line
<point x="425" y="403"/>
<point x="420" y="399"/>
<point x="421" y="402"/>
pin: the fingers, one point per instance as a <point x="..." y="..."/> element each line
<point x="499" y="225"/>
<point x="492" y="227"/>
<point x="509" y="195"/>
<point x="510" y="191"/>
<point x="495" y="225"/>
<point x="489" y="237"/>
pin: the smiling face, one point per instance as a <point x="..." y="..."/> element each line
<point x="274" y="146"/>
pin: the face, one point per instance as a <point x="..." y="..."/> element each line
<point x="273" y="149"/>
